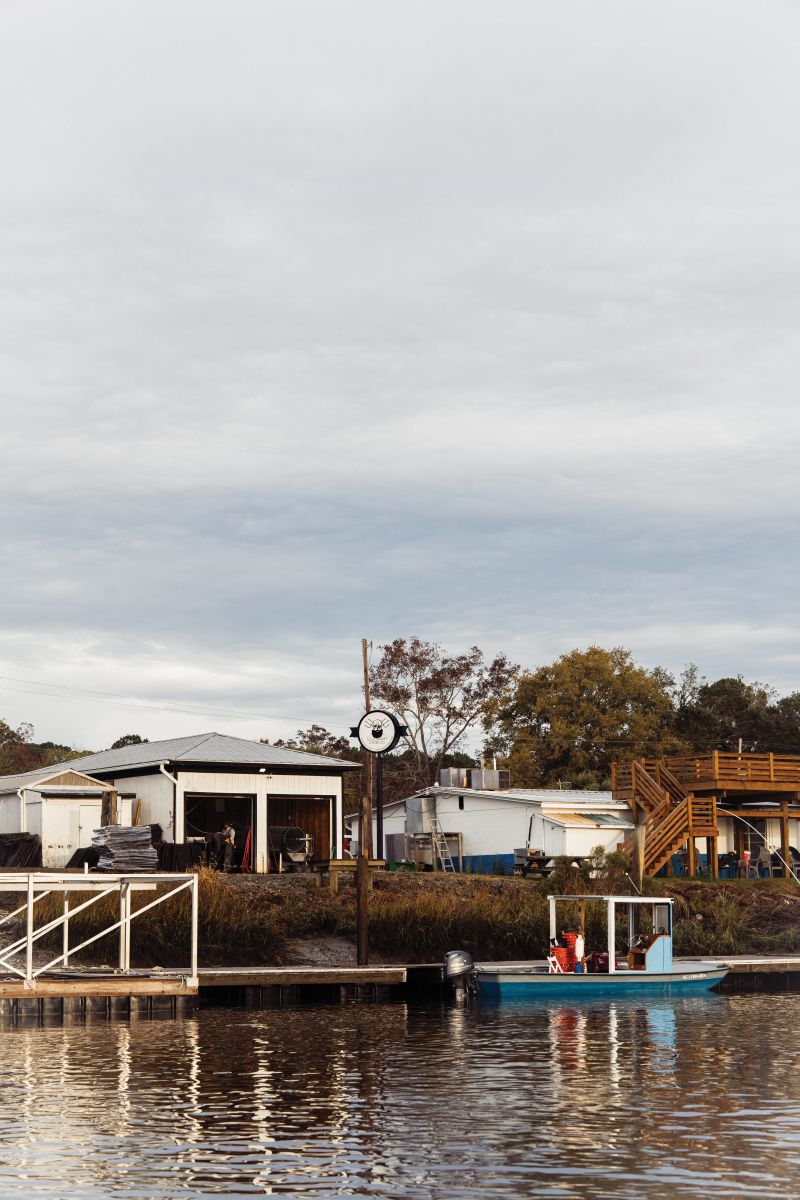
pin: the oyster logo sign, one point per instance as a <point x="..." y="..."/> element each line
<point x="378" y="731"/>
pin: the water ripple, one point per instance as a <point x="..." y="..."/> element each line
<point x="636" y="1100"/>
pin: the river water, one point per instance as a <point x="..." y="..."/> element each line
<point x="685" y="1098"/>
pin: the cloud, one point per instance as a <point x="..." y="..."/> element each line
<point x="323" y="322"/>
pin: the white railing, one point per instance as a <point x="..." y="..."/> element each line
<point x="36" y="885"/>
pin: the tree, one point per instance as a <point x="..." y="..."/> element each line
<point x="784" y="736"/>
<point x="715" y="716"/>
<point x="129" y="739"/>
<point x="49" y="753"/>
<point x="16" y="752"/>
<point x="319" y="740"/>
<point x="567" y="722"/>
<point x="440" y="697"/>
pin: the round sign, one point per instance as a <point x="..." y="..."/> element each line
<point x="378" y="731"/>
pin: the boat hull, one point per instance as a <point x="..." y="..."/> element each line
<point x="497" y="984"/>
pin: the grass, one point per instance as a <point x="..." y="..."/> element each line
<point x="417" y="918"/>
<point x="236" y="925"/>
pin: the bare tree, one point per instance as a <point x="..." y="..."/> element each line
<point x="439" y="696"/>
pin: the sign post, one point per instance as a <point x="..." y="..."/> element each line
<point x="378" y="732"/>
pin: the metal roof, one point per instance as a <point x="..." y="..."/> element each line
<point x="10" y="783"/>
<point x="524" y="796"/>
<point x="199" y="748"/>
<point x="566" y="796"/>
<point x="575" y="820"/>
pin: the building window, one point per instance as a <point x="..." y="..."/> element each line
<point x="460" y="803"/>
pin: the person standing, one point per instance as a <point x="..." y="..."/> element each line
<point x="580" y="953"/>
<point x="228" y="844"/>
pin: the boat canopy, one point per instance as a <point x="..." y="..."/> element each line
<point x="656" y="953"/>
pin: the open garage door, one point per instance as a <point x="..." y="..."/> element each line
<point x="204" y="813"/>
<point x="314" y="815"/>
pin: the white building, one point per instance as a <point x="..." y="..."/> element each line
<point x="60" y="805"/>
<point x="489" y="825"/>
<point x="186" y="785"/>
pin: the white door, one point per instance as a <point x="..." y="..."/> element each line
<point x="88" y="821"/>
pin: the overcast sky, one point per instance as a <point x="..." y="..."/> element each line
<point x="321" y="321"/>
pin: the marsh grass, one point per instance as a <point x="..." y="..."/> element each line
<point x="417" y="918"/>
<point x="490" y="922"/>
<point x="236" y="925"/>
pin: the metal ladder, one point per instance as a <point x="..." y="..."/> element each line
<point x="441" y="849"/>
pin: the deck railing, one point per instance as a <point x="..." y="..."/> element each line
<point x="36" y="885"/>
<point x="723" y="767"/>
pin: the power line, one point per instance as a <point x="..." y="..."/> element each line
<point x="93" y="696"/>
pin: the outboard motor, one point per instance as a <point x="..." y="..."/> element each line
<point x="458" y="969"/>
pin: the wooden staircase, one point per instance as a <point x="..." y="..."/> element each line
<point x="672" y="815"/>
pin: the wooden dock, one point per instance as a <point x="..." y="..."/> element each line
<point x="254" y="986"/>
<point x="217" y="977"/>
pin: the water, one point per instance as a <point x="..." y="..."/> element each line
<point x="691" y="1098"/>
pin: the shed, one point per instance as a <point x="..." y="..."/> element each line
<point x="60" y="805"/>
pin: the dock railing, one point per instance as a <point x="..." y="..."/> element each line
<point x="35" y="886"/>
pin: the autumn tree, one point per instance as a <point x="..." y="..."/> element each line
<point x="49" y="753"/>
<point x="566" y="722"/>
<point x="16" y="752"/>
<point x="440" y="697"/>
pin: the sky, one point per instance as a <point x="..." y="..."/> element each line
<point x="328" y="321"/>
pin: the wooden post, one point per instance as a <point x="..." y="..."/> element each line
<point x="691" y="862"/>
<point x="362" y="915"/>
<point x="785" y="852"/>
<point x="712" y="856"/>
<point x="638" y="855"/>
<point x="365" y="824"/>
<point x="715" y="754"/>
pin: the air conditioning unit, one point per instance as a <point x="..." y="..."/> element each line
<point x="454" y="777"/>
<point x="484" y="780"/>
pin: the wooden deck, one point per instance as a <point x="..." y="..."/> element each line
<point x="717" y="771"/>
<point x="680" y="799"/>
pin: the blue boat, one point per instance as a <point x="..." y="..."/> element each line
<point x="647" y="968"/>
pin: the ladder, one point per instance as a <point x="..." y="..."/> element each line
<point x="441" y="849"/>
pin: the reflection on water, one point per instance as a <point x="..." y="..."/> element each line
<point x="633" y="1099"/>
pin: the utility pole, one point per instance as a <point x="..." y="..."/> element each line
<point x="365" y="824"/>
<point x="365" y="838"/>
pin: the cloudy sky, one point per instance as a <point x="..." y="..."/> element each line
<point x="321" y="321"/>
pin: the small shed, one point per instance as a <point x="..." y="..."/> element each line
<point x="62" y="806"/>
